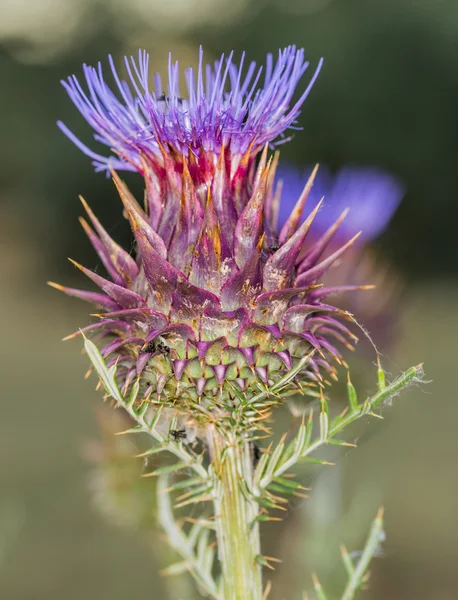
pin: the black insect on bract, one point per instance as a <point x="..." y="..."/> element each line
<point x="155" y="346"/>
<point x="178" y="434"/>
<point x="166" y="99"/>
<point x="256" y="453"/>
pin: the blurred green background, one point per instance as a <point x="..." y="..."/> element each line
<point x="387" y="96"/>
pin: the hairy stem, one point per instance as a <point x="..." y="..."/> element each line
<point x="235" y="513"/>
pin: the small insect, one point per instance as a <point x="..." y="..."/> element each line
<point x="156" y="346"/>
<point x="274" y="247"/>
<point x="178" y="434"/>
<point x="166" y="99"/>
<point x="256" y="452"/>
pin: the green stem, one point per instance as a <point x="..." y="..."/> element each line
<point x="372" y="544"/>
<point x="236" y="529"/>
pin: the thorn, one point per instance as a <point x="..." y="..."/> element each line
<point x="299" y="495"/>
<point x="373" y="414"/>
<point x="344" y="412"/>
<point x="273" y="559"/>
<point x="267" y="590"/>
<point x="124" y="432"/>
<point x="317" y="586"/>
<point x="71" y="336"/>
<point x="77" y="265"/>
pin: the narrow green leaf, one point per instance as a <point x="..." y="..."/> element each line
<point x="272" y="463"/>
<point x="335" y="442"/>
<point x="261" y="560"/>
<point x="169" y="468"/>
<point x="324" y="423"/>
<point x="264" y="502"/>
<point x="352" y="396"/>
<point x="275" y="487"/>
<point x="176" y="569"/>
<point x="185" y="483"/>
<point x="108" y="376"/>
<point x="134" y="393"/>
<point x="288" y="483"/>
<point x="319" y="591"/>
<point x="260" y="468"/>
<point x="308" y="432"/>
<point x="202" y="545"/>
<point x="381" y="381"/>
<point x="289" y="450"/>
<point x="151" y="451"/>
<point x="208" y="559"/>
<point x="195" y="499"/>
<point x="347" y="561"/>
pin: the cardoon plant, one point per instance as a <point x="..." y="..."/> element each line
<point x="220" y="314"/>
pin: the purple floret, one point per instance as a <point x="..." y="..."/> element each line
<point x="225" y="105"/>
<point x="371" y="194"/>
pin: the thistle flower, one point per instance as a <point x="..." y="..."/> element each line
<point x="226" y="116"/>
<point x="220" y="313"/>
<point x="218" y="303"/>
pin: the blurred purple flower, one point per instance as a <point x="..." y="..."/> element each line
<point x="371" y="194"/>
<point x="222" y="107"/>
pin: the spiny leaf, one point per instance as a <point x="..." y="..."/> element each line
<point x="318" y="588"/>
<point x="176" y="569"/>
<point x="167" y="469"/>
<point x="381" y="381"/>
<point x="275" y="487"/>
<point x="288" y="483"/>
<point x="273" y="460"/>
<point x="263" y="518"/>
<point x="352" y="396"/>
<point x="324" y="422"/>
<point x="346" y="558"/>
<point x="185" y="483"/>
<point x="106" y="375"/>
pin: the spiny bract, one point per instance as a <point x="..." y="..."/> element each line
<point x="218" y="307"/>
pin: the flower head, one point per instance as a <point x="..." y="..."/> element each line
<point x="219" y="308"/>
<point x="218" y="304"/>
<point x="223" y="107"/>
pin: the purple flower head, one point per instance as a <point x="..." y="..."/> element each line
<point x="216" y="301"/>
<point x="372" y="195"/>
<point x="224" y="107"/>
